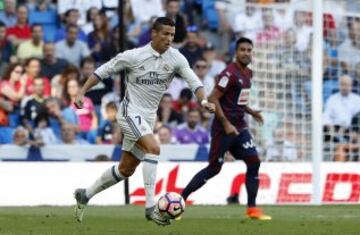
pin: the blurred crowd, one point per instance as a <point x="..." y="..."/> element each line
<point x="49" y="48"/>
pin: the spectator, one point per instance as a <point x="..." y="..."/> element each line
<point x="8" y="16"/>
<point x="226" y="10"/>
<point x="50" y="64"/>
<point x="99" y="38"/>
<point x="143" y="10"/>
<point x="71" y="19"/>
<point x="340" y="108"/>
<point x="33" y="105"/>
<point x="216" y="65"/>
<point x="192" y="50"/>
<point x="248" y="23"/>
<point x="5" y="108"/>
<point x="32" y="70"/>
<point x="33" y="47"/>
<point x="12" y="87"/>
<point x="72" y="49"/>
<point x="68" y="135"/>
<point x="106" y="129"/>
<point x="350" y="151"/>
<point x="184" y="103"/>
<point x="201" y="69"/>
<point x="91" y="13"/>
<point x="21" y="31"/>
<point x="81" y="6"/>
<point x="269" y="32"/>
<point x="21" y="136"/>
<point x="166" y="114"/>
<point x="59" y="117"/>
<point x="112" y="48"/>
<point x="303" y="31"/>
<point x="58" y="82"/>
<point x="42" y="132"/>
<point x="113" y="96"/>
<point x="349" y="50"/>
<point x="356" y="86"/>
<point x="281" y="149"/>
<point x="88" y="119"/>
<point x="98" y="91"/>
<point x="191" y="132"/>
<point x="5" y="45"/>
<point x="164" y="135"/>
<point x="172" y="9"/>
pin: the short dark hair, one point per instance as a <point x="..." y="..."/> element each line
<point x="71" y="26"/>
<point x="68" y="12"/>
<point x="111" y="105"/>
<point x="243" y="40"/>
<point x="186" y="93"/>
<point x="35" y="25"/>
<point x="162" y="21"/>
<point x="168" y="1"/>
<point x="28" y="60"/>
<point x="2" y="24"/>
<point x="87" y="59"/>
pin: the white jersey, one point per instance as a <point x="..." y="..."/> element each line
<point x="148" y="75"/>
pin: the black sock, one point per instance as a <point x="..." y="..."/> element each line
<point x="199" y="180"/>
<point x="252" y="182"/>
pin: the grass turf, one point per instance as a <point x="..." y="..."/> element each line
<point x="207" y="220"/>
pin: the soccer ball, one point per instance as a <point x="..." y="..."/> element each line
<point x="171" y="205"/>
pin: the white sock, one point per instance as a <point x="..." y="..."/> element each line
<point x="149" y="175"/>
<point x="110" y="177"/>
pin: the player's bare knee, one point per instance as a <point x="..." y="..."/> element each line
<point x="155" y="149"/>
<point x="126" y="171"/>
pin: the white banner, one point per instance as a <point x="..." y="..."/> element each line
<point x="44" y="183"/>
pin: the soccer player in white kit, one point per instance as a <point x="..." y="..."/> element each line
<point x="149" y="71"/>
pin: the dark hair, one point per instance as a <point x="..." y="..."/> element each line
<point x="42" y="116"/>
<point x="2" y="24"/>
<point x="111" y="105"/>
<point x="159" y="22"/>
<point x="243" y="40"/>
<point x="166" y="95"/>
<point x="186" y="93"/>
<point x="27" y="61"/>
<point x="65" y="93"/>
<point x="35" y="25"/>
<point x="88" y="13"/>
<point x="71" y="26"/>
<point x="67" y="13"/>
<point x="88" y="59"/>
<point x="10" y="68"/>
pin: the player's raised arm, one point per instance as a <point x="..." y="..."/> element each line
<point x="116" y="64"/>
<point x="194" y="83"/>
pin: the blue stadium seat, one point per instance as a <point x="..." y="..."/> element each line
<point x="6" y="134"/>
<point x="48" y="19"/>
<point x="14" y="120"/>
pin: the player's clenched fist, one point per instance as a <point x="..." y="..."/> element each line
<point x="79" y="103"/>
<point x="208" y="106"/>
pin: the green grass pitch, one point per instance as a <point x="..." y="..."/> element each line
<point x="207" y="220"/>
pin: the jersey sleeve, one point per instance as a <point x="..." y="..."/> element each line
<point x="120" y="62"/>
<point x="187" y="73"/>
<point x="223" y="81"/>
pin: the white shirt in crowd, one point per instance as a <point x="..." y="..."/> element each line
<point x="148" y="77"/>
<point x="143" y="10"/>
<point x="339" y="110"/>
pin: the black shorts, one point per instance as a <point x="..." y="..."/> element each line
<point x="242" y="147"/>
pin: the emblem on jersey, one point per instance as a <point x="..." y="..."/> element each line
<point x="244" y="97"/>
<point x="166" y="68"/>
<point x="223" y="81"/>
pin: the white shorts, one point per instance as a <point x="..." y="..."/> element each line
<point x="134" y="126"/>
